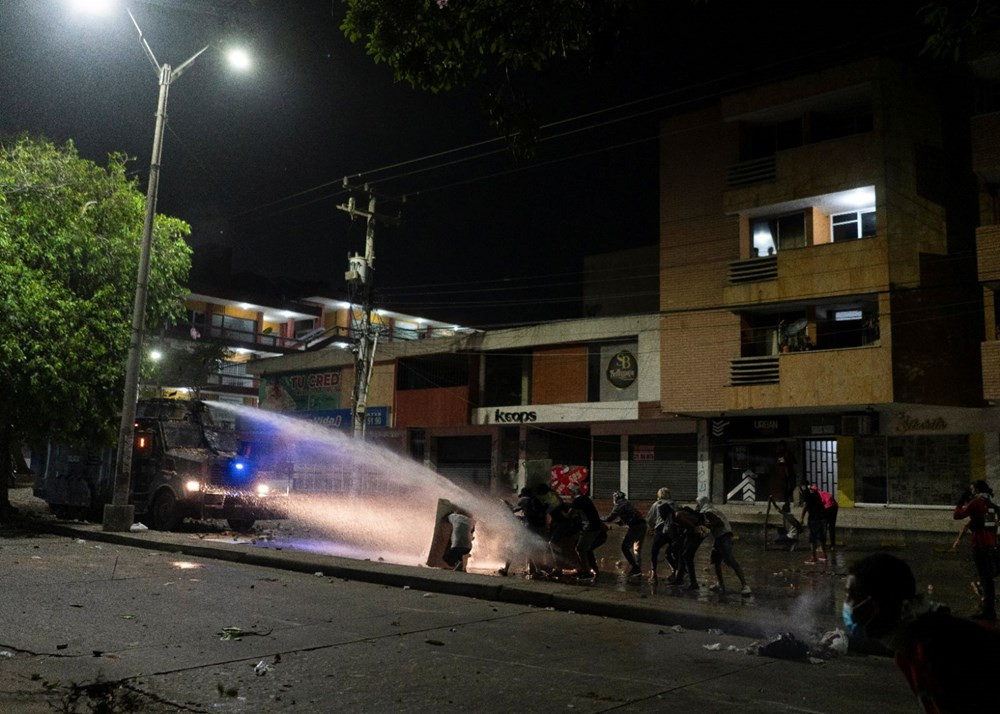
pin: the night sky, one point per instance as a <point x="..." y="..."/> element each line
<point x="254" y="162"/>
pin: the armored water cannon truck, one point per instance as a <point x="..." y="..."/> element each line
<point x="184" y="465"/>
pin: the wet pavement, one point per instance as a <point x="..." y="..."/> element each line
<point x="787" y="592"/>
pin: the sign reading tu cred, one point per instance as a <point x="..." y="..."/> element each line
<point x="623" y="369"/>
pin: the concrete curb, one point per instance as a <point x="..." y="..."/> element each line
<point x="688" y="614"/>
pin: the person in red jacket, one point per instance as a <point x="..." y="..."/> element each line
<point x="975" y="505"/>
<point x="949" y="662"/>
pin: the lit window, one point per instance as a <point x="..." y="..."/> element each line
<point x="845" y="315"/>
<point x="779" y="233"/>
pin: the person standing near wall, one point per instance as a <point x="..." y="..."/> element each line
<point x="975" y="504"/>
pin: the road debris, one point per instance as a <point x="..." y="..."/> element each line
<point x="237" y="633"/>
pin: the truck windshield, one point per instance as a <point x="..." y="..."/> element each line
<point x="182" y="435"/>
<point x="185" y="435"/>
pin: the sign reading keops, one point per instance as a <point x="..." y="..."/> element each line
<point x="555" y="413"/>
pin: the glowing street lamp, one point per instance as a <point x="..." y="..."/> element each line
<point x="119" y="514"/>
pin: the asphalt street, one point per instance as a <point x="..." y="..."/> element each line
<point x="165" y="631"/>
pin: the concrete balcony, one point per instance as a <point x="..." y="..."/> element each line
<point x="853" y="377"/>
<point x="831" y="269"/>
<point x="988" y="254"/>
<point x="804" y="171"/>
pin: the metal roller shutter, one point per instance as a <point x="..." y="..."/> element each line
<point x="607" y="466"/>
<point x="657" y="460"/>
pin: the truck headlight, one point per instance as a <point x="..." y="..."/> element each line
<point x="193" y="486"/>
<point x="263" y="489"/>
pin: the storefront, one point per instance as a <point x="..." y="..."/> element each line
<point x="906" y="457"/>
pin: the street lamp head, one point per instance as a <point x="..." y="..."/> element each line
<point x="156" y="355"/>
<point x="238" y="58"/>
<point x="92" y="7"/>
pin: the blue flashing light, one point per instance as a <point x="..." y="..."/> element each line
<point x="239" y="470"/>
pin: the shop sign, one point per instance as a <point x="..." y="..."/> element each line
<point x="623" y="369"/>
<point x="307" y="391"/>
<point x="756" y="427"/>
<point x="906" y="423"/>
<point x="643" y="452"/>
<point x="502" y="416"/>
<point x="377" y="417"/>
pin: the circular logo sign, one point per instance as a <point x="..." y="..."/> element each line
<point x="623" y="369"/>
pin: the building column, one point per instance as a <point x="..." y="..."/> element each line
<point x="704" y="460"/>
<point x="623" y="464"/>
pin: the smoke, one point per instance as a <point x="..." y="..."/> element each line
<point x="365" y="501"/>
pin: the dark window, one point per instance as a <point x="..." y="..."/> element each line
<point x="433" y="372"/>
<point x="853" y="225"/>
<point x="766" y="140"/>
<point x="226" y="326"/>
<point x="835" y="124"/>
<point x="504" y="374"/>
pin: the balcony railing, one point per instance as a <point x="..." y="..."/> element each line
<point x="753" y="370"/>
<point x="753" y="270"/>
<point x="746" y="173"/>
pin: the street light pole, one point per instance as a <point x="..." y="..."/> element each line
<point x="120" y="514"/>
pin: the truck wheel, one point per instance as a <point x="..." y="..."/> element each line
<point x="240" y="525"/>
<point x="164" y="514"/>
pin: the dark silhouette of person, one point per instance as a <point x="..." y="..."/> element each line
<point x="949" y="662"/>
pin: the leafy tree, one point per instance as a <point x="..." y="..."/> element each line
<point x="438" y="45"/>
<point x="184" y="364"/>
<point x="69" y="248"/>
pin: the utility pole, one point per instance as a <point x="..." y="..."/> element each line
<point x="360" y="278"/>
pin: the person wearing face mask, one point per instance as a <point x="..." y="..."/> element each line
<point x="947" y="661"/>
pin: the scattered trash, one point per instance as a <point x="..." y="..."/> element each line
<point x="817" y="660"/>
<point x="6" y="653"/>
<point x="61" y="647"/>
<point x="406" y="587"/>
<point x="677" y="628"/>
<point x="436" y="643"/>
<point x="733" y="648"/>
<point x="318" y="573"/>
<point x="428" y="594"/>
<point x="79" y="540"/>
<point x="128" y="617"/>
<point x="261" y="669"/>
<point x="236" y="633"/>
<point x="138" y="527"/>
<point x="453" y="629"/>
<point x="713" y="648"/>
<point x="784" y="646"/>
<point x="715" y="631"/>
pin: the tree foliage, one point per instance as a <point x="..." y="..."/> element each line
<point x="438" y="45"/>
<point x="70" y="235"/>
<point x="441" y="44"/>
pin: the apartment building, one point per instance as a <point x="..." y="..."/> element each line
<point x="820" y="308"/>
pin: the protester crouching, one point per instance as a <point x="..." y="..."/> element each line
<point x="627" y="515"/>
<point x="722" y="546"/>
